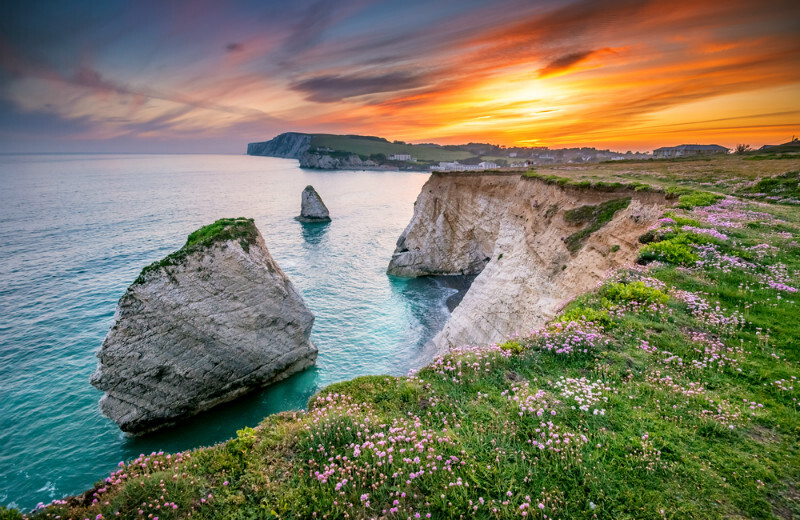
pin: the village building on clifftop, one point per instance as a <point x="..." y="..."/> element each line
<point x="686" y="150"/>
<point x="456" y="166"/>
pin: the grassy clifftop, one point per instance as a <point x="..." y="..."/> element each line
<point x="241" y="229"/>
<point x="669" y="392"/>
<point x="367" y="146"/>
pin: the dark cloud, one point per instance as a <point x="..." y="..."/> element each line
<point x="332" y="88"/>
<point x="563" y="63"/>
<point x="234" y="47"/>
<point x="90" y="78"/>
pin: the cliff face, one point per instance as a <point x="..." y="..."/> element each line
<point x="204" y="326"/>
<point x="329" y="162"/>
<point x="293" y="145"/>
<point x="290" y="145"/>
<point x="513" y="232"/>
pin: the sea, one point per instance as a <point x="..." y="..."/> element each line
<point x="75" y="231"/>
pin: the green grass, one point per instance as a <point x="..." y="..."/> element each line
<point x="785" y="187"/>
<point x="689" y="198"/>
<point x="676" y="387"/>
<point x="594" y="218"/>
<point x="697" y="199"/>
<point x="593" y="184"/>
<point x="369" y="146"/>
<point x="239" y="229"/>
<point x="674" y="247"/>
<point x="671" y="251"/>
<point x="631" y="292"/>
<point x="773" y="157"/>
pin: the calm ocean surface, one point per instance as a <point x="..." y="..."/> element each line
<point x="75" y="230"/>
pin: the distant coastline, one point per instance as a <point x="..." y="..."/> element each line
<point x="347" y="152"/>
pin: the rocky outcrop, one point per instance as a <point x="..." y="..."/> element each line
<point x="312" y="209"/>
<point x="325" y="161"/>
<point x="291" y="145"/>
<point x="512" y="232"/>
<point x="211" y="322"/>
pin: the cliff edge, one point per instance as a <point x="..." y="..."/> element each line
<point x="208" y="323"/>
<point x="534" y="246"/>
<point x="289" y="145"/>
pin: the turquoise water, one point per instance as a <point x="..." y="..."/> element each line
<point x="75" y="230"/>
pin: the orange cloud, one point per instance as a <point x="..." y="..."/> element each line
<point x="583" y="72"/>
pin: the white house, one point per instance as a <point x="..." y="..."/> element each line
<point x="456" y="166"/>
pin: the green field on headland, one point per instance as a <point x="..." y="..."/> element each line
<point x="367" y="146"/>
<point x="671" y="391"/>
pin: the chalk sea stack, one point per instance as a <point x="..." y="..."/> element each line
<point x="312" y="208"/>
<point x="208" y="323"/>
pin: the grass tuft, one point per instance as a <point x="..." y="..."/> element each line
<point x="239" y="229"/>
<point x="594" y="217"/>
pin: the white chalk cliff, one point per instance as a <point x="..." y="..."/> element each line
<point x="312" y="209"/>
<point x="512" y="230"/>
<point x="211" y="322"/>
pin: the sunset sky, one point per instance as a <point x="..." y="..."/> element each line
<point x="210" y="76"/>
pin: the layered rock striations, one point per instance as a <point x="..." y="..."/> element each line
<point x="345" y="161"/>
<point x="533" y="246"/>
<point x="312" y="209"/>
<point x="209" y="323"/>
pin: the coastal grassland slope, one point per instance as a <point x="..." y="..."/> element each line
<point x="533" y="244"/>
<point x="670" y="391"/>
<point x="366" y="146"/>
<point x="721" y="174"/>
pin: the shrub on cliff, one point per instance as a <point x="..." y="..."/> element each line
<point x="689" y="198"/>
<point x="594" y="218"/>
<point x="590" y="314"/>
<point x="632" y="292"/>
<point x="671" y="251"/>
<point x="10" y="514"/>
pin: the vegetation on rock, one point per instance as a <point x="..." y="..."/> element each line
<point x="594" y="217"/>
<point x="239" y="229"/>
